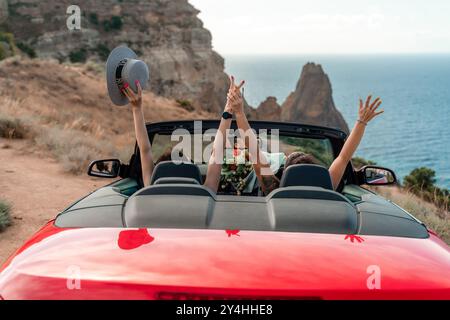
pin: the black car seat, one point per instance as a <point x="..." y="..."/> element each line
<point x="311" y="175"/>
<point x="170" y="173"/>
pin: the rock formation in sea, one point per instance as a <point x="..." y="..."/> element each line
<point x="312" y="101"/>
<point x="268" y="110"/>
<point x="167" y="34"/>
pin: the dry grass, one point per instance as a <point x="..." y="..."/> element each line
<point x="66" y="111"/>
<point x="12" y="128"/>
<point x="435" y="218"/>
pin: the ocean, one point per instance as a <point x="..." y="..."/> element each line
<point x="414" y="130"/>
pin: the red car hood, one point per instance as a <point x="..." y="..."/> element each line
<point x="167" y="263"/>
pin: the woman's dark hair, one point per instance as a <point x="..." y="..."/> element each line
<point x="167" y="156"/>
<point x="300" y="158"/>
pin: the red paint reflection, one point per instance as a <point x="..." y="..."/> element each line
<point x="132" y="239"/>
<point x="233" y="233"/>
<point x="354" y="237"/>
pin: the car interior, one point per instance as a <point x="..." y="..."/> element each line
<point x="304" y="202"/>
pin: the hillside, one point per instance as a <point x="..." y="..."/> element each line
<point x="66" y="111"/>
<point x="167" y="34"/>
<point x="170" y="38"/>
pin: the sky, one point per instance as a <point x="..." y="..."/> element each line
<point x="327" y="26"/>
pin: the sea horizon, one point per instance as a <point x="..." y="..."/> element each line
<point x="413" y="132"/>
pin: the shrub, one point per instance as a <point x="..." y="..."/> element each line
<point x="185" y="104"/>
<point x="2" y="52"/>
<point x="93" y="18"/>
<point x="420" y="179"/>
<point x="27" y="49"/>
<point x="7" y="38"/>
<point x="73" y="148"/>
<point x="94" y="67"/>
<point x="361" y="162"/>
<point x="12" y="128"/>
<point x="102" y="51"/>
<point x="421" y="182"/>
<point x="78" y="56"/>
<point x="115" y="23"/>
<point x="5" y="219"/>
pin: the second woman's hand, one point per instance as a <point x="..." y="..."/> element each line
<point x="367" y="111"/>
<point x="134" y="99"/>
<point x="235" y="102"/>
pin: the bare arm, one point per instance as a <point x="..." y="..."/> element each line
<point x="141" y="132"/>
<point x="367" y="112"/>
<point x="215" y="162"/>
<point x="261" y="165"/>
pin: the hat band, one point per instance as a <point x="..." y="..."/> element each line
<point x="120" y="66"/>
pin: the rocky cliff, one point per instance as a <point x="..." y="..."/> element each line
<point x="268" y="110"/>
<point x="167" y="34"/>
<point x="3" y="10"/>
<point x="312" y="101"/>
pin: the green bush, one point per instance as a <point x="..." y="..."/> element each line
<point x="78" y="56"/>
<point x="361" y="162"/>
<point x="421" y="182"/>
<point x="115" y="23"/>
<point x="102" y="51"/>
<point x="2" y="52"/>
<point x="420" y="179"/>
<point x="8" y="38"/>
<point x="93" y="18"/>
<point x="5" y="219"/>
<point x="185" y="104"/>
<point x="27" y="49"/>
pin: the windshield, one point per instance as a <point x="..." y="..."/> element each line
<point x="320" y="148"/>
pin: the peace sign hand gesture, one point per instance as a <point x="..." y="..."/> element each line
<point x="235" y="102"/>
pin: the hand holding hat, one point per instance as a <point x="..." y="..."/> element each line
<point x="134" y="99"/>
<point x="126" y="76"/>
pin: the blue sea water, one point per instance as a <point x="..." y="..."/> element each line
<point x="414" y="130"/>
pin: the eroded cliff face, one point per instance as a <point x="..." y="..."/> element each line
<point x="3" y="10"/>
<point x="170" y="37"/>
<point x="167" y="34"/>
<point x="312" y="101"/>
<point x="269" y="109"/>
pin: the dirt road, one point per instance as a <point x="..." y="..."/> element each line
<point x="37" y="188"/>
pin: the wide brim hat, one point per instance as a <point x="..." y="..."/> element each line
<point x="123" y="66"/>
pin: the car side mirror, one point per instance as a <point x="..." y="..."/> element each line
<point x="109" y="168"/>
<point x="376" y="176"/>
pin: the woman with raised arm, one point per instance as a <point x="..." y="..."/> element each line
<point x="214" y="164"/>
<point x="269" y="182"/>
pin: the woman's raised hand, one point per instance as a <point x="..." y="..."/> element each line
<point x="368" y="110"/>
<point x="135" y="99"/>
<point x="235" y="102"/>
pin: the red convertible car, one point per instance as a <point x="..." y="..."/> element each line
<point x="175" y="239"/>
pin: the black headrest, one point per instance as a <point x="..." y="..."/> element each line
<point x="175" y="180"/>
<point x="306" y="175"/>
<point x="168" y="169"/>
